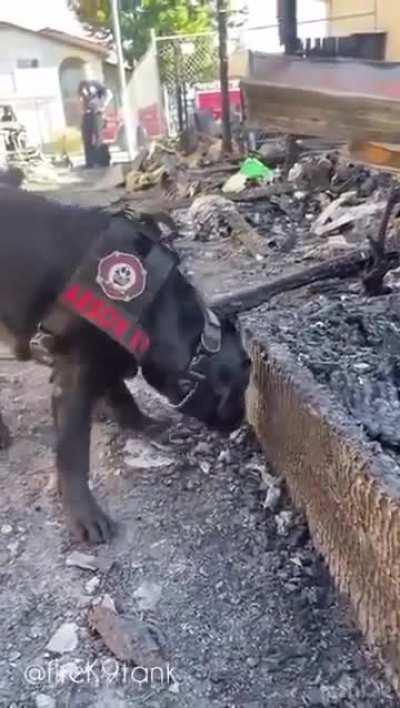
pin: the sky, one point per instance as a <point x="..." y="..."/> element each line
<point x="37" y="14"/>
<point x="264" y="13"/>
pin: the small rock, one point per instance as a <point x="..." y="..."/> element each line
<point x="174" y="688"/>
<point x="81" y="560"/>
<point x="92" y="585"/>
<point x="126" y="637"/>
<point x="252" y="662"/>
<point x="314" y="696"/>
<point x="291" y="587"/>
<point x="64" y="640"/>
<point x="108" y="603"/>
<point x="144" y="456"/>
<point x="267" y="480"/>
<point x="35" y="632"/>
<point x="202" y="448"/>
<point x="14" y="656"/>
<point x="13" y="548"/>
<point x="362" y="367"/>
<point x="272" y="498"/>
<point x="147" y="595"/>
<point x="236" y="435"/>
<point x="43" y="701"/>
<point x="225" y="456"/>
<point x="6" y="529"/>
<point x="284" y="522"/>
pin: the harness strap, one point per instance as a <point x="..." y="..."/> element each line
<point x="113" y="287"/>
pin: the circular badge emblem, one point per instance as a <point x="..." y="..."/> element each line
<point x="121" y="276"/>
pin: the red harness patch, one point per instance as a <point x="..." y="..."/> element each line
<point x="113" y="287"/>
<point x="87" y="304"/>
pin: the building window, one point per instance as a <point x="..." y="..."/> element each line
<point x="27" y="63"/>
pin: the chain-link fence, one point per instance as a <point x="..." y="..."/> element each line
<point x="185" y="61"/>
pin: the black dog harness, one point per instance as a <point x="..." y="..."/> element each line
<point x="115" y="284"/>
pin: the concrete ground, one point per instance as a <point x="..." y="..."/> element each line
<point x="210" y="557"/>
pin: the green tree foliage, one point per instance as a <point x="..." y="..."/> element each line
<point x="139" y="17"/>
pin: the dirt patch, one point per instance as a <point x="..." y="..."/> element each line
<point x="351" y="344"/>
<point x="232" y="591"/>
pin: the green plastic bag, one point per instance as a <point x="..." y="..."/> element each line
<point x="255" y="169"/>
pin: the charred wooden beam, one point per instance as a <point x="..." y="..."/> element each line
<point x="338" y="268"/>
<point x="380" y="266"/>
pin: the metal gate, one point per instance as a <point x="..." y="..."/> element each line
<point x="185" y="61"/>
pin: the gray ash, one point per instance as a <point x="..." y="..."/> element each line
<point x="352" y="345"/>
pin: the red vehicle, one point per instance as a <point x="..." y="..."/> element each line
<point x="113" y="130"/>
<point x="151" y="125"/>
<point x="210" y="99"/>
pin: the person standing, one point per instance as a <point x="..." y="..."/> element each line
<point x="95" y="98"/>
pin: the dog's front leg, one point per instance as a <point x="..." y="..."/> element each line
<point x="73" y="397"/>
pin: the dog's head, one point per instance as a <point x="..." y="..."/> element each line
<point x="196" y="361"/>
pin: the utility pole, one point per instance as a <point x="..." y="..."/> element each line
<point x="222" y="15"/>
<point x="287" y="18"/>
<point x="128" y="117"/>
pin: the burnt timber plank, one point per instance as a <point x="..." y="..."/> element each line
<point x="348" y="489"/>
<point x="329" y="114"/>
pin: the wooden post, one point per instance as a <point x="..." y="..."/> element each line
<point x="222" y="15"/>
<point x="127" y="113"/>
<point x="287" y="18"/>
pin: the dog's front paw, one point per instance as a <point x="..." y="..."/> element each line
<point x="88" y="522"/>
<point x="5" y="437"/>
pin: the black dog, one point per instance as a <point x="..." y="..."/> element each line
<point x="42" y="245"/>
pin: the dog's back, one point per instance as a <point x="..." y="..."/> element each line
<point x="41" y="242"/>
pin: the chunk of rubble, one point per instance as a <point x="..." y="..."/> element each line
<point x="92" y="585"/>
<point x="284" y="522"/>
<point x="213" y="217"/>
<point x="65" y="640"/>
<point x="236" y="183"/>
<point x="312" y="173"/>
<point x="81" y="560"/>
<point x="147" y="595"/>
<point x="44" y="701"/>
<point x="142" y="455"/>
<point x="127" y="638"/>
<point x="272" y="498"/>
<point x="339" y="214"/>
<point x="105" y="601"/>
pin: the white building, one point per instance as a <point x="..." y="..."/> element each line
<point x="39" y="75"/>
